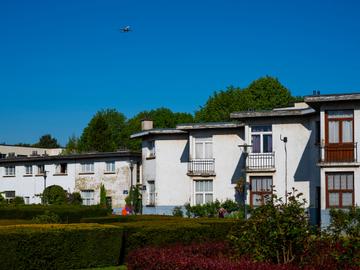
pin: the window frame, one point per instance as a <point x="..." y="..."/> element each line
<point x="59" y="167"/>
<point x="88" y="201"/>
<point x="203" y="192"/>
<point x="87" y="167"/>
<point x="110" y="164"/>
<point x="261" y="134"/>
<point x="10" y="171"/>
<point x="340" y="191"/>
<point x="39" y="171"/>
<point x="262" y="193"/>
<point x="28" y="173"/>
<point x="340" y="120"/>
<point x="151" y="152"/>
<point x="203" y="141"/>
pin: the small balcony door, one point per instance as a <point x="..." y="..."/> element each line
<point x="339" y="136"/>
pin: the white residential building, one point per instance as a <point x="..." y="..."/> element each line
<point x="23" y="151"/>
<point x="84" y="173"/>
<point x="311" y="147"/>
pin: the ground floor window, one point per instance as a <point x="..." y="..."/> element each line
<point x="9" y="195"/>
<point x="87" y="197"/>
<point x="151" y="193"/>
<point x="339" y="189"/>
<point x="203" y="191"/>
<point x="261" y="189"/>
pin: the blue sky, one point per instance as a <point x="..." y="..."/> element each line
<point x="61" y="61"/>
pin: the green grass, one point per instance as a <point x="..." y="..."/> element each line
<point x="5" y="222"/>
<point x="121" y="267"/>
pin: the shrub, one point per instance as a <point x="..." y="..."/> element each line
<point x="205" y="256"/>
<point x="177" y="211"/>
<point x="18" y="200"/>
<point x="102" y="196"/>
<point x="205" y="210"/>
<point x="277" y="232"/>
<point x="74" y="198"/>
<point x="345" y="222"/>
<point x="59" y="246"/>
<point x="230" y="206"/>
<point x="54" y="195"/>
<point x="46" y="218"/>
<point x="134" y="199"/>
<point x="67" y="213"/>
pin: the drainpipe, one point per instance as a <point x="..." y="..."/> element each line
<point x="285" y="141"/>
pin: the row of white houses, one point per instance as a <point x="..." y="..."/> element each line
<point x="311" y="147"/>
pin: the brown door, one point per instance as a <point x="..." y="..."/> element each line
<point x="339" y="136"/>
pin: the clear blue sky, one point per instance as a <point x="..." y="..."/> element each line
<point x="61" y="61"/>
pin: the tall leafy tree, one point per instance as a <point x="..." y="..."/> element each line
<point x="71" y="146"/>
<point x="47" y="141"/>
<point x="103" y="133"/>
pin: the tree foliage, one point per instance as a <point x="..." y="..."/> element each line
<point x="47" y="141"/>
<point x="103" y="133"/>
<point x="262" y="94"/>
<point x="54" y="195"/>
<point x="102" y="196"/>
<point x="71" y="146"/>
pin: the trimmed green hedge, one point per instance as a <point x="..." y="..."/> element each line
<point x="129" y="218"/>
<point x="71" y="246"/>
<point x="67" y="213"/>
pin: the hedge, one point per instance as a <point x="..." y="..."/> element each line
<point x="129" y="218"/>
<point x="67" y="213"/>
<point x="59" y="246"/>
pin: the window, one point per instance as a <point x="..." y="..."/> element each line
<point x="151" y="148"/>
<point x="152" y="194"/>
<point x="87" y="197"/>
<point x="339" y="189"/>
<point x="40" y="169"/>
<point x="2" y="155"/>
<point x="110" y="166"/>
<point x="109" y="202"/>
<point x="261" y="189"/>
<point x="9" y="195"/>
<point x="10" y="171"/>
<point x="261" y="137"/>
<point x="137" y="172"/>
<point x="87" y="167"/>
<point x="28" y="170"/>
<point x="339" y="126"/>
<point x="27" y="200"/>
<point x="61" y="168"/>
<point x="203" y="148"/>
<point x="203" y="191"/>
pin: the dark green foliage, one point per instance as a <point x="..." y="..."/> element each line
<point x="102" y="196"/>
<point x="262" y="94"/>
<point x="18" y="200"/>
<point x="177" y="211"/>
<point x="59" y="246"/>
<point x="67" y="213"/>
<point x="345" y="222"/>
<point x="134" y="199"/>
<point x="103" y="133"/>
<point x="54" y="195"/>
<point x="74" y="198"/>
<point x="211" y="209"/>
<point x="72" y="146"/>
<point x="47" y="141"/>
<point x="230" y="206"/>
<point x="46" y="218"/>
<point x="275" y="232"/>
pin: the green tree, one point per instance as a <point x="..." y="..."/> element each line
<point x="47" y="141"/>
<point x="134" y="199"/>
<point x="71" y="146"/>
<point x="102" y="196"/>
<point x="262" y="94"/>
<point x="54" y="195"/>
<point x="103" y="133"/>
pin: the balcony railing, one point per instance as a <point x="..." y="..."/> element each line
<point x="260" y="161"/>
<point x="339" y="153"/>
<point x="201" y="167"/>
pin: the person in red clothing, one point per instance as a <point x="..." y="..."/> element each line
<point x="124" y="211"/>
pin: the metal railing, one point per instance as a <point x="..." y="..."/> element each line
<point x="201" y="166"/>
<point x="339" y="153"/>
<point x="259" y="161"/>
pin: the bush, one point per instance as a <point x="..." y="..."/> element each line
<point x="345" y="222"/>
<point x="18" y="200"/>
<point x="59" y="246"/>
<point x="67" y="213"/>
<point x="46" y="218"/>
<point x="205" y="256"/>
<point x="74" y="198"/>
<point x="54" y="195"/>
<point x="177" y="211"/>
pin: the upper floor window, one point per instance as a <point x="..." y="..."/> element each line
<point x="339" y="126"/>
<point x="28" y="170"/>
<point x="110" y="166"/>
<point x="61" y="168"/>
<point x="40" y="169"/>
<point x="203" y="148"/>
<point x="87" y="167"/>
<point x="10" y="171"/>
<point x="261" y="139"/>
<point x="151" y="148"/>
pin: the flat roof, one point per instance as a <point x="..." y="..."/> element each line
<point x="332" y="98"/>
<point x="156" y="131"/>
<point x="209" y="125"/>
<point x="96" y="155"/>
<point x="273" y="113"/>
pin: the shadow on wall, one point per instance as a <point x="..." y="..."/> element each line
<point x="185" y="154"/>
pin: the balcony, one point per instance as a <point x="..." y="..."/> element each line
<point x="260" y="162"/>
<point x="201" y="167"/>
<point x="346" y="153"/>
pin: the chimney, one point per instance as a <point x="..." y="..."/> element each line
<point x="146" y="124"/>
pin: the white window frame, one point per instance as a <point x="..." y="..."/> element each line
<point x="40" y="169"/>
<point x="58" y="168"/>
<point x="88" y="197"/>
<point x="87" y="167"/>
<point x="261" y="134"/>
<point x="151" y="193"/>
<point x="151" y="149"/>
<point x="28" y="169"/>
<point x="10" y="170"/>
<point x="203" y="142"/>
<point x="110" y="166"/>
<point x="203" y="192"/>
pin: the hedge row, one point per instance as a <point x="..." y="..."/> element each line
<point x="59" y="246"/>
<point x="67" y="213"/>
<point x="129" y="218"/>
